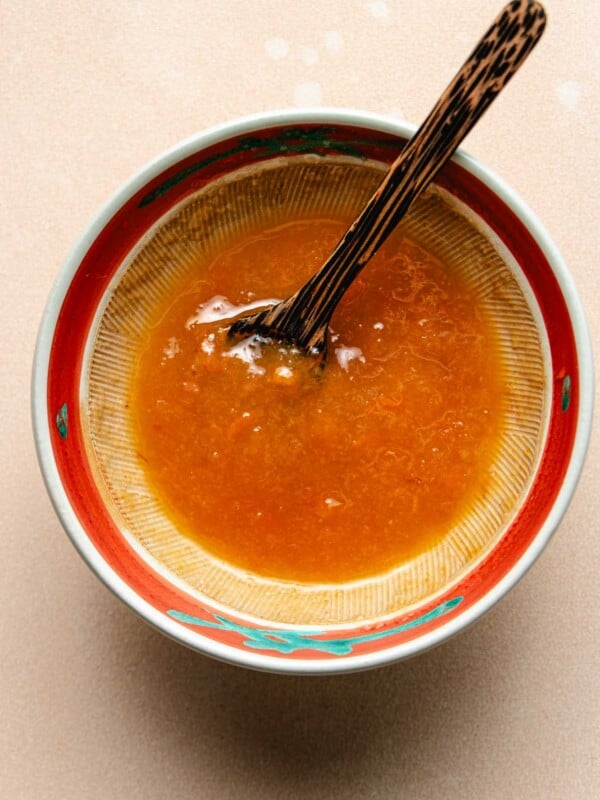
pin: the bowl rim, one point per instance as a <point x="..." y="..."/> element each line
<point x="76" y="532"/>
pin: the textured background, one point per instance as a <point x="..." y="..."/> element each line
<point x="93" y="703"/>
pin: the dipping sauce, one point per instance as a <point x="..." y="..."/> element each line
<point x="312" y="475"/>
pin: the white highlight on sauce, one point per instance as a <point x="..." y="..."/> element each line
<point x="249" y="351"/>
<point x="345" y="355"/>
<point x="172" y="348"/>
<point x="208" y="344"/>
<point x="219" y="307"/>
<point x="284" y="372"/>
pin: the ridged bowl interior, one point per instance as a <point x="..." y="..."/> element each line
<point x="194" y="232"/>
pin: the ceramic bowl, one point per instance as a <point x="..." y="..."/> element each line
<point x="79" y="401"/>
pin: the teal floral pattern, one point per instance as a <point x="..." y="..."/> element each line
<point x="289" y="641"/>
<point x="318" y="140"/>
<point x="566" y="393"/>
<point x="62" y="421"/>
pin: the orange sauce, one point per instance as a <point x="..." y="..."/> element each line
<point x="309" y="475"/>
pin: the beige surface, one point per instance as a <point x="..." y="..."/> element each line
<point x="93" y="703"/>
